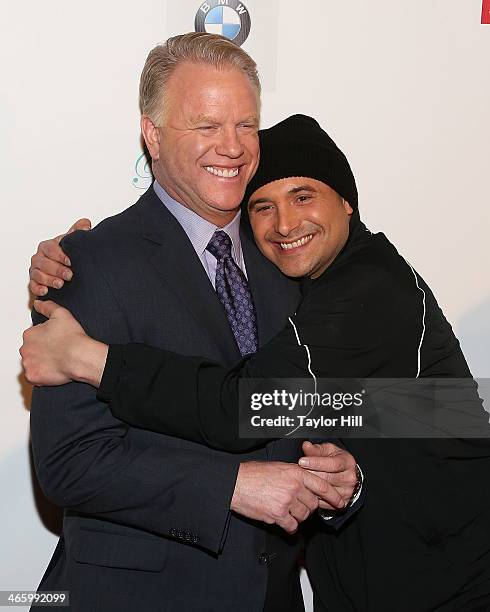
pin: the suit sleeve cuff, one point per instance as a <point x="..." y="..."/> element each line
<point x="112" y="372"/>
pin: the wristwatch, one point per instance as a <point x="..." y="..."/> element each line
<point x="357" y="487"/>
<point x="330" y="514"/>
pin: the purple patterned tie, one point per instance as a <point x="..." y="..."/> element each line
<point x="234" y="293"/>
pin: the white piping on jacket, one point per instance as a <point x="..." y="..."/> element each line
<point x="305" y="346"/>
<point x="423" y="316"/>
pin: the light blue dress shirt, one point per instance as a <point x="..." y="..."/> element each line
<point x="199" y="231"/>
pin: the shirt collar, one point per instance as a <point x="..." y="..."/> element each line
<point x="198" y="230"/>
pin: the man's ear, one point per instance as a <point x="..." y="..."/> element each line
<point x="348" y="208"/>
<point x="152" y="137"/>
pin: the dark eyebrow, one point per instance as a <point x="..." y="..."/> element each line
<point x="253" y="203"/>
<point x="302" y="188"/>
<point x="292" y="191"/>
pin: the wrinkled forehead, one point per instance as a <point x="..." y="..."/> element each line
<point x="202" y="87"/>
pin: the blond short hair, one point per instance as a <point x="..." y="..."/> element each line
<point x="196" y="47"/>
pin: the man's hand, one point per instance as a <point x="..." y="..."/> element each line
<point x="58" y="351"/>
<point x="335" y="465"/>
<point x="281" y="493"/>
<point x="50" y="267"/>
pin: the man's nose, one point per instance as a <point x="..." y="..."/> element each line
<point x="286" y="221"/>
<point x="229" y="143"/>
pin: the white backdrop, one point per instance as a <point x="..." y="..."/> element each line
<point x="403" y="87"/>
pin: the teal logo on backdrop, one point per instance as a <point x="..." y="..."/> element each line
<point x="229" y="18"/>
<point x="142" y="169"/>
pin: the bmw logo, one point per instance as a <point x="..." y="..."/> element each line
<point x="229" y="18"/>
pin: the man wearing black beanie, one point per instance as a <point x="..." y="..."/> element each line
<point x="298" y="146"/>
<point x="421" y="540"/>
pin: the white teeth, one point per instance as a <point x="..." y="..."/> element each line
<point x="222" y="172"/>
<point x="293" y="245"/>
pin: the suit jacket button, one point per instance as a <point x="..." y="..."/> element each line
<point x="267" y="558"/>
<point x="263" y="558"/>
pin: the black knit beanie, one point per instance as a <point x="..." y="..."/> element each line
<point x="298" y="146"/>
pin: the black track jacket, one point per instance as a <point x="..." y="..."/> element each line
<point x="421" y="542"/>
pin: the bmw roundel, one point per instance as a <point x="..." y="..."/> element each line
<point x="229" y="18"/>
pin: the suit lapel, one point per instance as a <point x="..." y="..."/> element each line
<point x="179" y="267"/>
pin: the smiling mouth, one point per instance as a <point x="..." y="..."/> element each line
<point x="288" y="246"/>
<point x="222" y="172"/>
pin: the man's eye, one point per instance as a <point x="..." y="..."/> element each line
<point x="303" y="198"/>
<point x="263" y="208"/>
<point x="206" y="128"/>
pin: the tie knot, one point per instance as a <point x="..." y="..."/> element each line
<point x="220" y="245"/>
